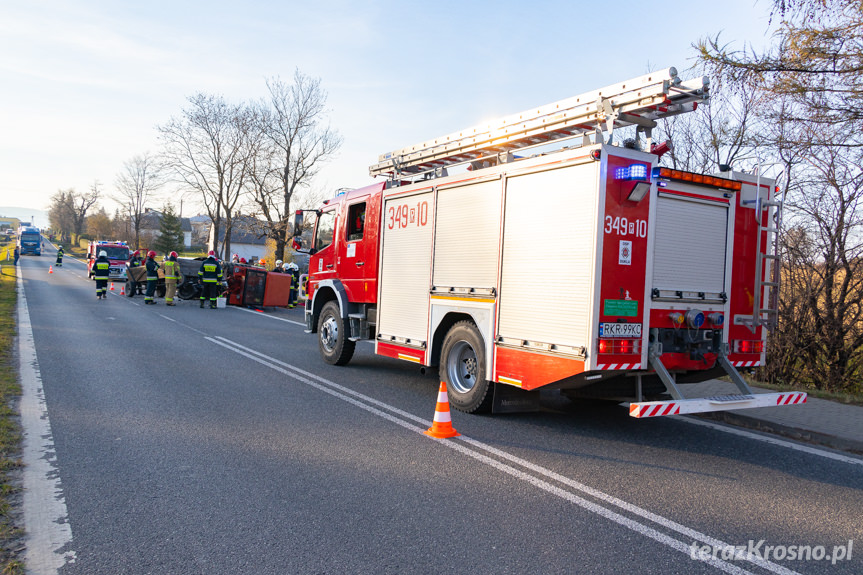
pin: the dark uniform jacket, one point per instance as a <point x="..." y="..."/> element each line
<point x="211" y="271"/>
<point x="100" y="268"/>
<point x="152" y="269"/>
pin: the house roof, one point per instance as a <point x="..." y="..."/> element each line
<point x="152" y="220"/>
<point x="245" y="230"/>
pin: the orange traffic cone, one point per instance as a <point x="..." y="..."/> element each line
<point x="122" y="291"/>
<point x="112" y="286"/>
<point x="50" y="269"/>
<point x="442" y="424"/>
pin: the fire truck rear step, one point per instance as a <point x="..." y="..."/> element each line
<point x="716" y="403"/>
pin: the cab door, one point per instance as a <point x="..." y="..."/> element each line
<point x="322" y="265"/>
<point x="356" y="258"/>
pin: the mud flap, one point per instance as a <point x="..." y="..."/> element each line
<point x="511" y="399"/>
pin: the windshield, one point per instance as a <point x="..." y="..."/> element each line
<point x="114" y="252"/>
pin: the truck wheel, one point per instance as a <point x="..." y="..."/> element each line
<point x="129" y="288"/>
<point x="187" y="290"/>
<point x="462" y="367"/>
<point x="336" y="348"/>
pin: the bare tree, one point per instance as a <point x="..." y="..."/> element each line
<point x="68" y="212"/>
<point x="819" y="340"/>
<point x="140" y="178"/>
<point x="720" y="133"/>
<point x="60" y="215"/>
<point x="296" y="142"/>
<point x="208" y="150"/>
<point x="99" y="225"/>
<point x="811" y="92"/>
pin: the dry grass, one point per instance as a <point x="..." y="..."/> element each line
<point x="11" y="531"/>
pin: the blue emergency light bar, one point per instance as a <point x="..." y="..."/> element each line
<point x="631" y="173"/>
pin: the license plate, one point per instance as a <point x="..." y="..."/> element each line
<point x="614" y="329"/>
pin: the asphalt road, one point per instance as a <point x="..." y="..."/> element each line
<point x="216" y="441"/>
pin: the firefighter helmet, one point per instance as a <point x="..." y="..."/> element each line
<point x="211" y="254"/>
<point x="173" y="254"/>
<point x="293" y="266"/>
<point x="103" y="254"/>
<point x="278" y="263"/>
<point x="137" y="253"/>
<point x="151" y="254"/>
<point x="243" y="260"/>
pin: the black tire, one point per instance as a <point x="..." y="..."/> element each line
<point x="188" y="290"/>
<point x="336" y="348"/>
<point x="462" y="367"/>
<point x="129" y="292"/>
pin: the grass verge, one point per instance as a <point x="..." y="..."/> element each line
<point x="837" y="396"/>
<point x="11" y="531"/>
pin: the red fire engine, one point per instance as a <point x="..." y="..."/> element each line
<point x="591" y="269"/>
<point x="118" y="255"/>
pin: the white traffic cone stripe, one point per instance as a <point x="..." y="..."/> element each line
<point x="442" y="397"/>
<point x="442" y="416"/>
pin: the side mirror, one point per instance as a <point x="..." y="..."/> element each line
<point x="298" y="223"/>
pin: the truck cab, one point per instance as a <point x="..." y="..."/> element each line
<point x="343" y="265"/>
<point x="118" y="254"/>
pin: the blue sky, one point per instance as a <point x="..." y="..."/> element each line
<point x="83" y="83"/>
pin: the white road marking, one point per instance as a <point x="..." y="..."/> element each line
<point x="371" y="405"/>
<point x="299" y="323"/>
<point x="772" y="440"/>
<point x="46" y="519"/>
<point x="727" y="429"/>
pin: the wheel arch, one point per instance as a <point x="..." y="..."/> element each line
<point x="325" y="292"/>
<point x="444" y="319"/>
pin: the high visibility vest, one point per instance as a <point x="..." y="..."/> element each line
<point x="101" y="269"/>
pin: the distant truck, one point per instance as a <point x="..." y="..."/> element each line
<point x="118" y="255"/>
<point x="29" y="241"/>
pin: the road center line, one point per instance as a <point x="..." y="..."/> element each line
<point x="46" y="519"/>
<point x="371" y="405"/>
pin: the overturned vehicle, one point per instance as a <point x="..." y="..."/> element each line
<point x="189" y="287"/>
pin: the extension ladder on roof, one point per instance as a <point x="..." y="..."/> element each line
<point x="640" y="101"/>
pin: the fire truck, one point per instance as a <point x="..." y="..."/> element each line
<point x="118" y="255"/>
<point x="589" y="268"/>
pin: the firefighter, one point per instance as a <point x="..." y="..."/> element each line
<point x="152" y="277"/>
<point x="294" y="270"/>
<point x="173" y="276"/>
<point x="135" y="262"/>
<point x="235" y="259"/>
<point x="101" y="269"/>
<point x="211" y="275"/>
<point x="59" y="262"/>
<point x="279" y="269"/>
